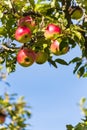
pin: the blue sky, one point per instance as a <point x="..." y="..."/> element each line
<point x="52" y="93"/>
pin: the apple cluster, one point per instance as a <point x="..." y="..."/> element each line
<point x="26" y="56"/>
<point x="50" y="32"/>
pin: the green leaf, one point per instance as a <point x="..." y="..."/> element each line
<point x="78" y="35"/>
<point x="85" y="75"/>
<point x="42" y="8"/>
<point x="39" y="1"/>
<point x="80" y="72"/>
<point x="79" y="126"/>
<point x="76" y="59"/>
<point x="2" y="31"/>
<point x="69" y="127"/>
<point x="82" y="101"/>
<point x="52" y="62"/>
<point x="28" y="114"/>
<point x="61" y="61"/>
<point x="32" y="3"/>
<point x="1" y="14"/>
<point x="77" y="66"/>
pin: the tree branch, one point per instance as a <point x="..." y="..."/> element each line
<point x="67" y="4"/>
<point x="10" y="48"/>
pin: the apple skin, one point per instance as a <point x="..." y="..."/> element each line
<point x="51" y="30"/>
<point x="27" y="21"/>
<point x="41" y="57"/>
<point x="23" y="34"/>
<point x="55" y="48"/>
<point x="26" y="57"/>
<point x="77" y="13"/>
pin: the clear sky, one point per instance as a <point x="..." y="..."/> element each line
<point x="52" y="93"/>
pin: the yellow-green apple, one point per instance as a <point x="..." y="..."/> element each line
<point x="77" y="13"/>
<point x="55" y="48"/>
<point x="23" y="34"/>
<point x="26" y="57"/>
<point x="41" y="57"/>
<point x="51" y="30"/>
<point x="2" y="118"/>
<point x="27" y="21"/>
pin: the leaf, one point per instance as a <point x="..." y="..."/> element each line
<point x="76" y="59"/>
<point x="80" y="72"/>
<point x="85" y="75"/>
<point x="2" y="31"/>
<point x="61" y="61"/>
<point x="69" y="127"/>
<point x="52" y="62"/>
<point x="78" y="35"/>
<point x="39" y="1"/>
<point x="40" y="8"/>
<point x="28" y="114"/>
<point x="77" y="66"/>
<point x="21" y="99"/>
<point x="82" y="101"/>
<point x="79" y="126"/>
<point x="32" y="3"/>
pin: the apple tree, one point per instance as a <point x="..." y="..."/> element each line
<point x="41" y="31"/>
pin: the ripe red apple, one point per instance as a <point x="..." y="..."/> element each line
<point x="51" y="30"/>
<point x="41" y="57"/>
<point x="23" y="34"/>
<point x="26" y="57"/>
<point x="27" y="21"/>
<point x="2" y="118"/>
<point x="55" y="48"/>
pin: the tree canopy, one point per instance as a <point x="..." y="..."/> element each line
<point x="14" y="112"/>
<point x="69" y="15"/>
<point x="40" y="31"/>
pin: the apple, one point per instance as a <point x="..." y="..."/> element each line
<point x="55" y="48"/>
<point x="41" y="57"/>
<point x="77" y="13"/>
<point x="26" y="57"/>
<point x="23" y="34"/>
<point x="51" y="30"/>
<point x="27" y="21"/>
<point x="2" y="118"/>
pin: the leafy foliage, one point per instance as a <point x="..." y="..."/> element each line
<point x="16" y="112"/>
<point x="44" y="12"/>
<point x="83" y="124"/>
<point x="63" y="13"/>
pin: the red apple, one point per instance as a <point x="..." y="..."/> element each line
<point x="2" y="118"/>
<point x="41" y="57"/>
<point x="26" y="57"/>
<point x="51" y="30"/>
<point x="23" y="34"/>
<point x="27" y="21"/>
<point x="55" y="48"/>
